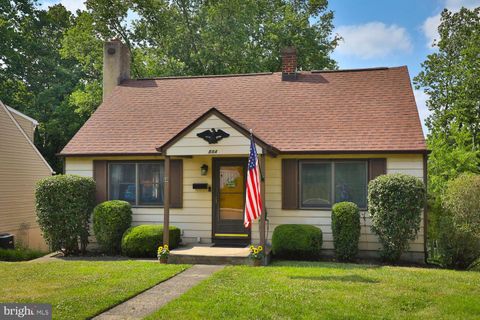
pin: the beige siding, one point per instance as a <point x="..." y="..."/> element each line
<point x="408" y="164"/>
<point x="21" y="167"/>
<point x="195" y="218"/>
<point x="27" y="125"/>
<point x="190" y="144"/>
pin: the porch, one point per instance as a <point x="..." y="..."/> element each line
<point x="212" y="255"/>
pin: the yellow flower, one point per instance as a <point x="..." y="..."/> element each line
<point x="255" y="251"/>
<point x="251" y="247"/>
<point x="260" y="248"/>
<point x="166" y="246"/>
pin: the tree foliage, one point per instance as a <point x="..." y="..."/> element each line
<point x="459" y="232"/>
<point x="450" y="78"/>
<point x="34" y="78"/>
<point x="51" y="59"/>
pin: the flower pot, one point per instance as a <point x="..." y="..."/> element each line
<point x="257" y="262"/>
<point x="163" y="260"/>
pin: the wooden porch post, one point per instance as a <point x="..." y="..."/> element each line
<point x="262" y="192"/>
<point x="166" y="202"/>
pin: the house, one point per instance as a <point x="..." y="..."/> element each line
<point x="321" y="136"/>
<point x="21" y="166"/>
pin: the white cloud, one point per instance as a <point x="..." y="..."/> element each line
<point x="373" y="40"/>
<point x="430" y="25"/>
<point x="72" y="5"/>
<point x="429" y="28"/>
<point x="421" y="99"/>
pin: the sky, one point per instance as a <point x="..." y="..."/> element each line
<point x="377" y="33"/>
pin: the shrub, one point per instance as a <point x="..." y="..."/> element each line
<point x="346" y="230"/>
<point x="20" y="254"/>
<point x="456" y="249"/>
<point x="110" y="220"/>
<point x="459" y="232"/>
<point x="395" y="204"/>
<point x="475" y="266"/>
<point x="64" y="204"/>
<point x="143" y="240"/>
<point x="462" y="200"/>
<point x="297" y="242"/>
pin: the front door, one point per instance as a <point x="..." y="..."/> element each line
<point x="229" y="177"/>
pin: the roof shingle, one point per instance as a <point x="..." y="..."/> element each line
<point x="343" y="111"/>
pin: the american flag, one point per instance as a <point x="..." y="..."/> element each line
<point x="253" y="202"/>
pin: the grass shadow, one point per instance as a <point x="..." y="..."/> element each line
<point x="346" y="278"/>
<point x="322" y="264"/>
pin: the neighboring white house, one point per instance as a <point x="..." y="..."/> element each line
<point x="21" y="166"/>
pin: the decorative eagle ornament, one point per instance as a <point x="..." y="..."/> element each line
<point x="213" y="136"/>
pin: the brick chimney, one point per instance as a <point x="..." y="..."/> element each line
<point x="116" y="65"/>
<point x="289" y="63"/>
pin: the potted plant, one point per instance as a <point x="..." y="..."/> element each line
<point x="257" y="255"/>
<point x="163" y="253"/>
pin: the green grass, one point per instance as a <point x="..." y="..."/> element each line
<point x="302" y="290"/>
<point x="79" y="289"/>
<point x="20" y="254"/>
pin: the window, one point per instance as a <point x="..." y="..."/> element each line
<point x="316" y="190"/>
<point x="351" y="182"/>
<point x="323" y="183"/>
<point x="138" y="183"/>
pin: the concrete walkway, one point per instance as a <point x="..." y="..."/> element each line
<point x="153" y="299"/>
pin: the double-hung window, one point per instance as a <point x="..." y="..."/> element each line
<point x="139" y="183"/>
<point x="323" y="183"/>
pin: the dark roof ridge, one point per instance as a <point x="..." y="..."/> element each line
<point x="355" y="69"/>
<point x="264" y="73"/>
<point x="208" y="76"/>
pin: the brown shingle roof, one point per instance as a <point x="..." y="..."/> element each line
<point x="344" y="111"/>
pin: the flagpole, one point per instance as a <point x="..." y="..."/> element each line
<point x="261" y="167"/>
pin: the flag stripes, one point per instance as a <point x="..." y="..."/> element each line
<point x="253" y="201"/>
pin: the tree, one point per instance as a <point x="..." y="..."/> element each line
<point x="185" y="37"/>
<point x="450" y="78"/>
<point x="51" y="60"/>
<point x="450" y="75"/>
<point x="34" y="78"/>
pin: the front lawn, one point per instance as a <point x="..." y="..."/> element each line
<point x="305" y="290"/>
<point x="79" y="289"/>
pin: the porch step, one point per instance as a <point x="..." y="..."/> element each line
<point x="210" y="260"/>
<point x="207" y="254"/>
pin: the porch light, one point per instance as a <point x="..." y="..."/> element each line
<point x="204" y="170"/>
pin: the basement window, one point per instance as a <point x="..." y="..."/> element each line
<point x="139" y="183"/>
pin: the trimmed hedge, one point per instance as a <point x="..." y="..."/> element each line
<point x="395" y="203"/>
<point x="143" y="241"/>
<point x="346" y="230"/>
<point x="110" y="220"/>
<point x="297" y="242"/>
<point x="459" y="223"/>
<point x="64" y="204"/>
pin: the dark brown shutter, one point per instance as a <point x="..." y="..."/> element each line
<point x="100" y="177"/>
<point x="176" y="183"/>
<point x="289" y="184"/>
<point x="376" y="167"/>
